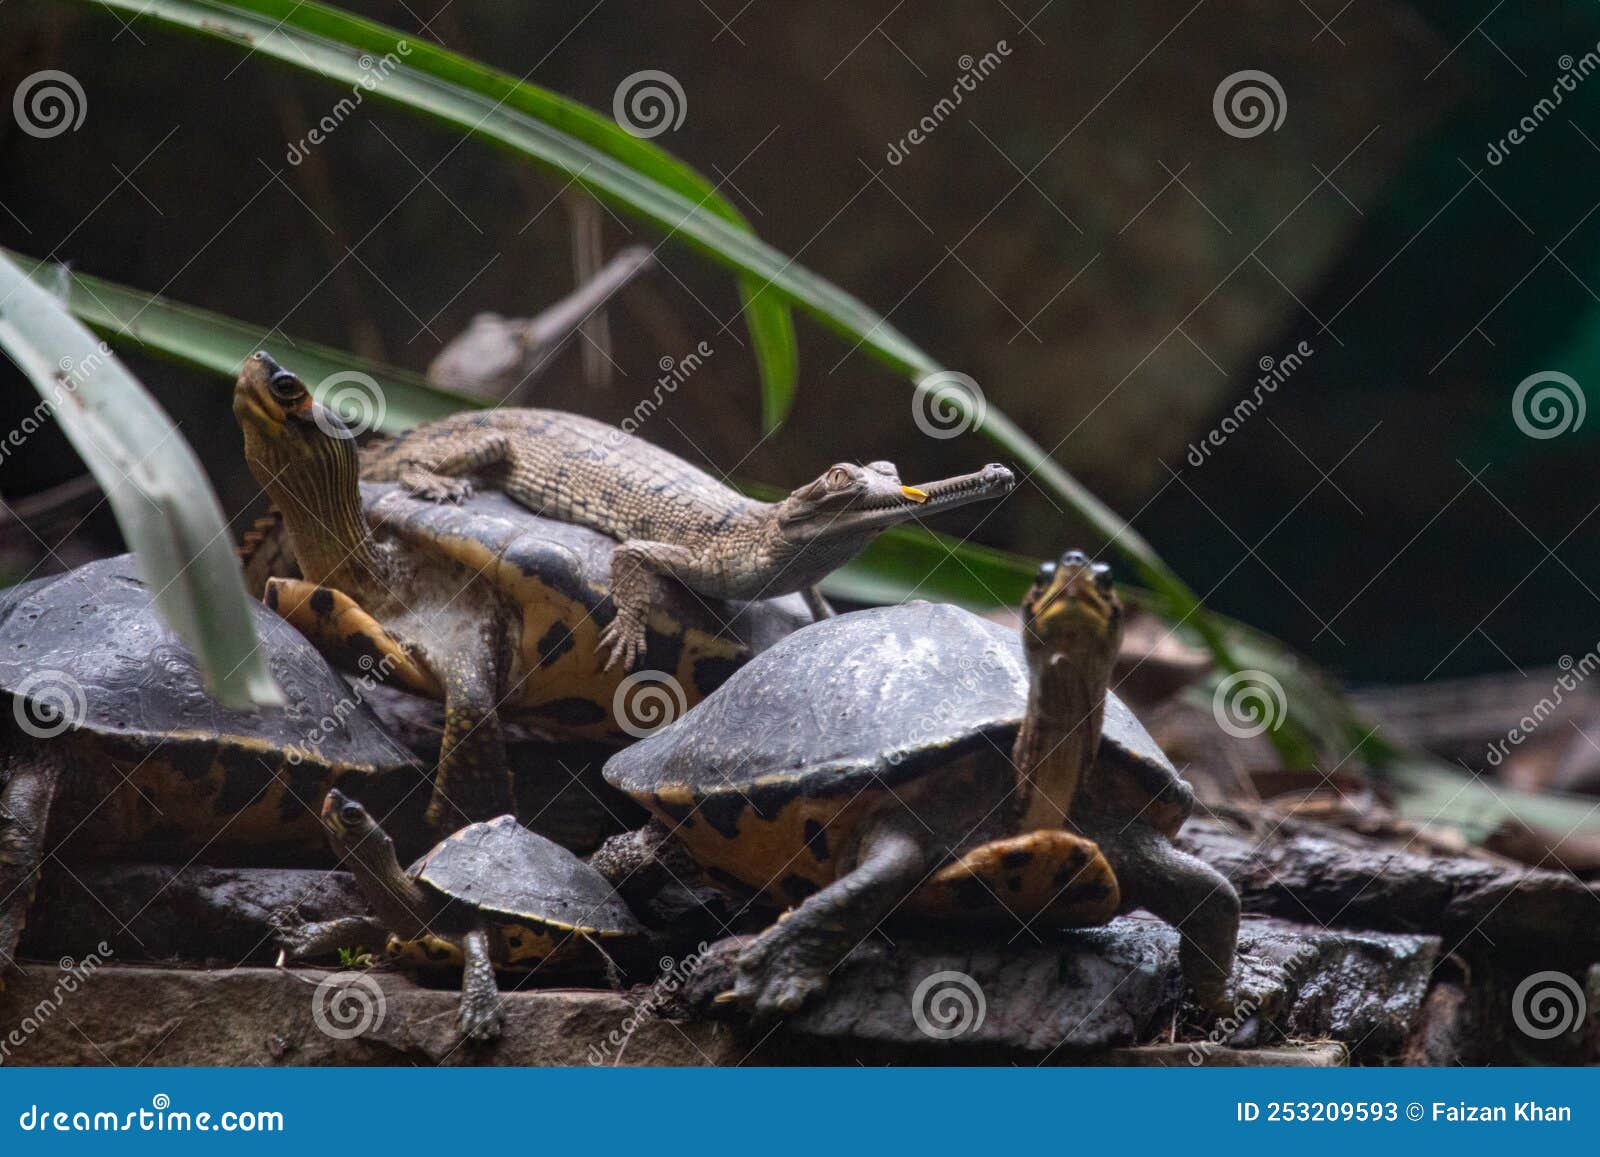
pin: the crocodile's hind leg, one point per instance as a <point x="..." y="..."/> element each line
<point x="817" y="604"/>
<point x="473" y="781"/>
<point x="1052" y="872"/>
<point x="30" y="788"/>
<point x="437" y="469"/>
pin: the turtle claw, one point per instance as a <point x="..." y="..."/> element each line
<point x="482" y="1020"/>
<point x="779" y="972"/>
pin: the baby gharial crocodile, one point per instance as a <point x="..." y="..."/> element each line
<point x="669" y="518"/>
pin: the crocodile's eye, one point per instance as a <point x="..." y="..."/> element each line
<point x="839" y="476"/>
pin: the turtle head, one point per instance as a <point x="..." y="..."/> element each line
<point x="1072" y="614"/>
<point x="346" y="820"/>
<point x="305" y="457"/>
<point x="849" y="500"/>
<point x="285" y="428"/>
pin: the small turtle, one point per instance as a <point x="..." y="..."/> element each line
<point x="917" y="758"/>
<point x="492" y="895"/>
<point x="483" y="606"/>
<point x="112" y="742"/>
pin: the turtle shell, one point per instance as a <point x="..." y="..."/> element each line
<point x="501" y="868"/>
<point x="90" y="641"/>
<point x="878" y="696"/>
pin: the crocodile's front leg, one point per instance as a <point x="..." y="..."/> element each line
<point x="437" y="472"/>
<point x="634" y="567"/>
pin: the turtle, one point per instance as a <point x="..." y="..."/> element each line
<point x="482" y="605"/>
<point x="493" y="894"/>
<point x="922" y="759"/>
<point x="113" y="748"/>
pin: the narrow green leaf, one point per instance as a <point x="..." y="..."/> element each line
<point x="209" y="341"/>
<point x="167" y="510"/>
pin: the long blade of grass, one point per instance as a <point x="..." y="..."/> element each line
<point x="162" y="500"/>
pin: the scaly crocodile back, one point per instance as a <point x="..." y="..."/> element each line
<point x="575" y="469"/>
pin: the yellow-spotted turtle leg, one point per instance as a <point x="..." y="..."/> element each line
<point x="440" y="476"/>
<point x="790" y="962"/>
<point x="473" y="781"/>
<point x="483" y="1013"/>
<point x="30" y="788"/>
<point x="1186" y="892"/>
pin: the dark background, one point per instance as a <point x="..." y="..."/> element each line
<point x="1080" y="237"/>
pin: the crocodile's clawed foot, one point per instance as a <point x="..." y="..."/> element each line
<point x="432" y="487"/>
<point x="625" y="641"/>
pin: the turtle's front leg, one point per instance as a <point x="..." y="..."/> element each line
<point x="791" y="961"/>
<point x="1187" y="893"/>
<point x="24" y="815"/>
<point x="483" y="1013"/>
<point x="473" y="781"/>
<point x="437" y="472"/>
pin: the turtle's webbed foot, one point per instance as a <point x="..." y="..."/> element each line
<point x="435" y="487"/>
<point x="783" y="968"/>
<point x="483" y="1017"/>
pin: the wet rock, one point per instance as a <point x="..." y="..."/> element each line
<point x="1103" y="988"/>
<point x="163" y="912"/>
<point x="1309" y="871"/>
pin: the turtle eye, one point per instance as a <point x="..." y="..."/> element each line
<point x="285" y="387"/>
<point x="1102" y="578"/>
<point x="1047" y="571"/>
<point x="350" y="814"/>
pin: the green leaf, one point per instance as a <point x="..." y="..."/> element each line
<point x="209" y="341"/>
<point x="167" y="510"/>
